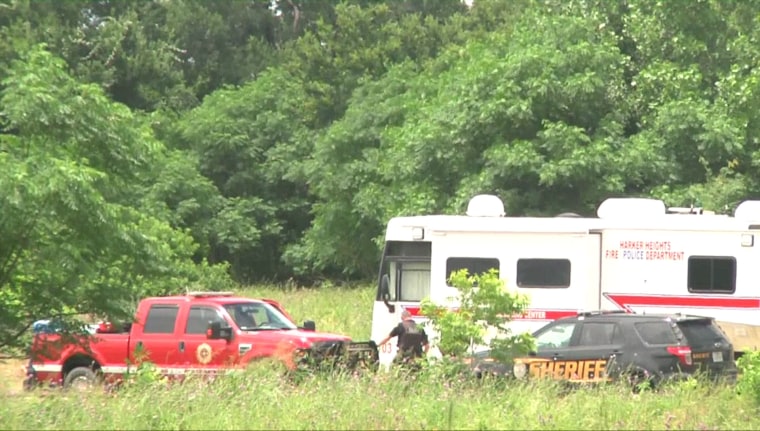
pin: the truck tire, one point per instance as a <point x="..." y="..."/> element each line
<point x="80" y="378"/>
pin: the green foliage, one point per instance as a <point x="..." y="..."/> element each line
<point x="483" y="310"/>
<point x="749" y="382"/>
<point x="297" y="130"/>
<point x="73" y="241"/>
<point x="249" y="143"/>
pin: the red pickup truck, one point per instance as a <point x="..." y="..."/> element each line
<point x="201" y="331"/>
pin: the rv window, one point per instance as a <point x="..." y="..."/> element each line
<point x="712" y="274"/>
<point x="547" y="273"/>
<point x="473" y="265"/>
<point x="408" y="249"/>
<point x="407" y="267"/>
<point x="414" y="281"/>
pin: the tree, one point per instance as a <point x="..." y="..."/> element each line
<point x="479" y="315"/>
<point x="250" y="142"/>
<point x="74" y="243"/>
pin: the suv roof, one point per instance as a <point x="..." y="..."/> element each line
<point x="622" y="314"/>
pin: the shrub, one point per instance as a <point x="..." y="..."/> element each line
<point x="749" y="380"/>
<point x="484" y="304"/>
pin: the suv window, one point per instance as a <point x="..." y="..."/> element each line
<point x="161" y="319"/>
<point x="199" y="318"/>
<point x="600" y="333"/>
<point x="557" y="336"/>
<point x="656" y="332"/>
<point x="702" y="332"/>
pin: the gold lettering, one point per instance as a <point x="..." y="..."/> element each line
<point x="588" y="368"/>
<point x="570" y="369"/>
<point x="559" y="369"/>
<point x="536" y="369"/>
<point x="581" y="370"/>
<point x="548" y="369"/>
<point x="599" y="369"/>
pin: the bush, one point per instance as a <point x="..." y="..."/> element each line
<point x="484" y="305"/>
<point x="749" y="380"/>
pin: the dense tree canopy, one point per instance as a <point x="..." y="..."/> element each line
<point x="150" y="145"/>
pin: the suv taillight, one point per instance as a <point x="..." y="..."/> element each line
<point x="683" y="354"/>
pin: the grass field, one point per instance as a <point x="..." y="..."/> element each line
<point x="262" y="399"/>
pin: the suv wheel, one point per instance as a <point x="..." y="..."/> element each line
<point x="639" y="379"/>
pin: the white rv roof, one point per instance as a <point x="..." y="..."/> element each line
<point x="460" y="223"/>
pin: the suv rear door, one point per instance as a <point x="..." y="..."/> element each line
<point x="710" y="349"/>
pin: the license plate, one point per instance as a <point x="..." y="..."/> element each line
<point x="717" y="356"/>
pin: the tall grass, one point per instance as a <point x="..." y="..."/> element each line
<point x="342" y="310"/>
<point x="261" y="398"/>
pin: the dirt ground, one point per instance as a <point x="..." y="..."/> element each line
<point x="11" y="375"/>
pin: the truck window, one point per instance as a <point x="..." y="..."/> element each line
<point x="715" y="274"/>
<point x="199" y="318"/>
<point x="161" y="319"/>
<point x="543" y="273"/>
<point x="473" y="265"/>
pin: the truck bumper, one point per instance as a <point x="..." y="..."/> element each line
<point x="363" y="355"/>
<point x="36" y="379"/>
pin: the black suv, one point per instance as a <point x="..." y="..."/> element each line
<point x="602" y="346"/>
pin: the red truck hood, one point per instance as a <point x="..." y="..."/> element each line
<point x="297" y="336"/>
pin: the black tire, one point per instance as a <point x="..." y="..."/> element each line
<point x="80" y="378"/>
<point x="640" y="379"/>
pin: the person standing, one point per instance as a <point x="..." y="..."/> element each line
<point x="412" y="341"/>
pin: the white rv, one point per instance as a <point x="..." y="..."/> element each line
<point x="636" y="255"/>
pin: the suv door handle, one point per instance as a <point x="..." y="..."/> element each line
<point x="181" y="346"/>
<point x="557" y="356"/>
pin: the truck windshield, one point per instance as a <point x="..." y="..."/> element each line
<point x="258" y="316"/>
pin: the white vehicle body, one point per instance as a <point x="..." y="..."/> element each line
<point x="635" y="256"/>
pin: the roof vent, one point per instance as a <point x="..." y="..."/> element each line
<point x="485" y="206"/>
<point x="630" y="208"/>
<point x="570" y="215"/>
<point x="748" y="210"/>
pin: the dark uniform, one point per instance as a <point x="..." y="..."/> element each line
<point x="411" y="340"/>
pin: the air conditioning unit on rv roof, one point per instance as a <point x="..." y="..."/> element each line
<point x="631" y="208"/>
<point x="485" y="206"/>
<point x="748" y="210"/>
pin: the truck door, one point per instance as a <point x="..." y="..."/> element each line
<point x="198" y="351"/>
<point x="154" y="339"/>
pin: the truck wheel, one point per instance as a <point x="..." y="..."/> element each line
<point x="80" y="378"/>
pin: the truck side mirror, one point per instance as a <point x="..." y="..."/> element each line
<point x="309" y="325"/>
<point x="385" y="292"/>
<point x="216" y="331"/>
